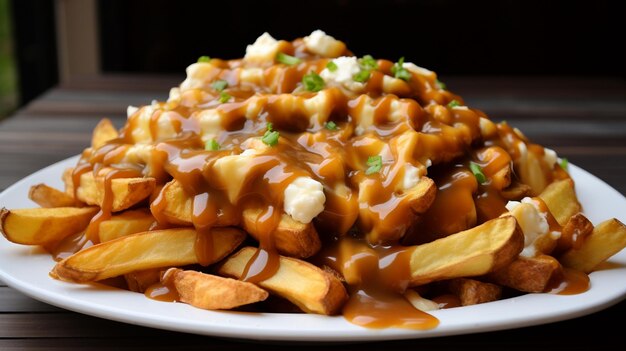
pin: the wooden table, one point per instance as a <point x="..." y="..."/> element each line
<point x="582" y="119"/>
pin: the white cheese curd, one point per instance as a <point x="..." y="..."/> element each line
<point x="417" y="69"/>
<point x="130" y="110"/>
<point x="411" y="176"/>
<point x="264" y="48"/>
<point x="304" y="199"/>
<point x="210" y="122"/>
<point x="347" y="67"/>
<point x="534" y="224"/>
<point x="549" y="156"/>
<point x="174" y="95"/>
<point x="323" y="44"/>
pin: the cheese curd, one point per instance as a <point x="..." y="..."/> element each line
<point x="264" y="48"/>
<point x="534" y="225"/>
<point x="304" y="199"/>
<point x="343" y="76"/>
<point x="323" y="44"/>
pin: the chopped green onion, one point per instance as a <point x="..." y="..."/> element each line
<point x="441" y="84"/>
<point x="478" y="172"/>
<point x="219" y="85"/>
<point x="453" y="104"/>
<point x="399" y="71"/>
<point x="287" y="59"/>
<point x="564" y="163"/>
<point x="332" y="66"/>
<point x="224" y="97"/>
<point x="367" y="62"/>
<point x="375" y="164"/>
<point x="271" y="136"/>
<point x="212" y="145"/>
<point x="204" y="59"/>
<point x="313" y="82"/>
<point x="362" y="76"/>
<point x="330" y="125"/>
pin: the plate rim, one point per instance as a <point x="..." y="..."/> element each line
<point x="348" y="332"/>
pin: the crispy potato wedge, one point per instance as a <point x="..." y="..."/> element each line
<point x="528" y="274"/>
<point x="139" y="281"/>
<point x="472" y="291"/>
<point x="607" y="239"/>
<point x="40" y="226"/>
<point x="211" y="292"/>
<point x="146" y="250"/>
<point x="307" y="286"/>
<point x="574" y="233"/>
<point x="46" y="196"/>
<point x="560" y="197"/>
<point x="472" y="252"/>
<point x="125" y="223"/>
<point x="292" y="238"/>
<point x="127" y="192"/>
<point x="103" y="132"/>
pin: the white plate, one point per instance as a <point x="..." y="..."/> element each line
<point x="26" y="270"/>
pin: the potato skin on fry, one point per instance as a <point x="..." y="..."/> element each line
<point x="211" y="292"/>
<point x="46" y="196"/>
<point x="146" y="250"/>
<point x="528" y="274"/>
<point x="40" y="226"/>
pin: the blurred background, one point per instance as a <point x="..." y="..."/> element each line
<point x="44" y="43"/>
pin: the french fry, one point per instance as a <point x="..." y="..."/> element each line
<point x="126" y="191"/>
<point x="420" y="302"/>
<point x="472" y="291"/>
<point x="103" y="132"/>
<point x="146" y="250"/>
<point x="528" y="274"/>
<point x="292" y="238"/>
<point x="139" y="281"/>
<point x="46" y="196"/>
<point x="473" y="252"/>
<point x="560" y="197"/>
<point x="607" y="239"/>
<point x="40" y="226"/>
<point x="211" y="292"/>
<point x="573" y="234"/>
<point x="125" y="223"/>
<point x="307" y="286"/>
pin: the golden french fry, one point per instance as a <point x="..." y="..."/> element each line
<point x="607" y="239"/>
<point x="211" y="292"/>
<point x="473" y="252"/>
<point x="560" y="197"/>
<point x="140" y="281"/>
<point x="126" y="191"/>
<point x="307" y="286"/>
<point x="292" y="238"/>
<point x="125" y="223"/>
<point x="40" y="226"/>
<point x="103" y="132"/>
<point x="528" y="274"/>
<point x="46" y="196"/>
<point x="472" y="291"/>
<point x="573" y="234"/>
<point x="146" y="250"/>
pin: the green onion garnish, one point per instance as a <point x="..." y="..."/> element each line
<point x="367" y="62"/>
<point x="313" y="82"/>
<point x="287" y="59"/>
<point x="332" y="66"/>
<point x="271" y="136"/>
<point x="330" y="125"/>
<point x="362" y="76"/>
<point x="477" y="170"/>
<point x="375" y="164"/>
<point x="564" y="163"/>
<point x="224" y="97"/>
<point x="219" y="85"/>
<point x="453" y="104"/>
<point x="204" y="59"/>
<point x="440" y="84"/>
<point x="212" y="145"/>
<point x="399" y="71"/>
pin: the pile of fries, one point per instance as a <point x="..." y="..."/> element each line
<point x="303" y="178"/>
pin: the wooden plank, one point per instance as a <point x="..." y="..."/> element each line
<point x="13" y="301"/>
